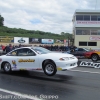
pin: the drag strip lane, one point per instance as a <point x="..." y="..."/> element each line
<point x="70" y="85"/>
<point x="87" y="70"/>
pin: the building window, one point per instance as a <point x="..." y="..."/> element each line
<point x="79" y="17"/>
<point x="85" y="32"/>
<point x="94" y="32"/>
<point x="82" y="43"/>
<point x="78" y="32"/>
<point x="92" y="43"/>
<point x="93" y="18"/>
<point x="98" y="18"/>
<point x="98" y="32"/>
<point x="86" y="17"/>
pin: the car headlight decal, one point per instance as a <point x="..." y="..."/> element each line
<point x="67" y="58"/>
<point x="64" y="58"/>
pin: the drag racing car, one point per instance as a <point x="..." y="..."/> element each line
<point x="78" y="52"/>
<point x="94" y="55"/>
<point x="37" y="58"/>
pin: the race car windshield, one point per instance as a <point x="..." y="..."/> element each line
<point x="87" y="49"/>
<point x="41" y="50"/>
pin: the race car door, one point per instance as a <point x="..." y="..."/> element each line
<point x="27" y="59"/>
<point x="24" y="58"/>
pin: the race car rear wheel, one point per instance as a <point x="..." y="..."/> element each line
<point x="94" y="57"/>
<point x="50" y="68"/>
<point x="7" y="67"/>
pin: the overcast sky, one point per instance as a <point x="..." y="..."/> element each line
<point x="45" y="15"/>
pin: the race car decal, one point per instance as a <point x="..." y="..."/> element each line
<point x="22" y="69"/>
<point x="38" y="68"/>
<point x="30" y="69"/>
<point x="0" y="60"/>
<point x="58" y="68"/>
<point x="14" y="63"/>
<point x="26" y="60"/>
<point x="89" y="64"/>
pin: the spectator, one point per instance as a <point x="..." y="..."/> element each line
<point x="7" y="49"/>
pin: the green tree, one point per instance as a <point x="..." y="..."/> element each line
<point x="62" y="33"/>
<point x="1" y="21"/>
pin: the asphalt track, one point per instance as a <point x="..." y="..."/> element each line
<point x="81" y="83"/>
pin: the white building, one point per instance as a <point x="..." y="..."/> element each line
<point x="86" y="28"/>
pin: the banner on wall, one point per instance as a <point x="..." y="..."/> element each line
<point x="59" y="41"/>
<point x="94" y="38"/>
<point x="47" y="41"/>
<point x="89" y="64"/>
<point x="6" y="39"/>
<point x="66" y="42"/>
<point x="34" y="40"/>
<point x="88" y="22"/>
<point x="21" y="40"/>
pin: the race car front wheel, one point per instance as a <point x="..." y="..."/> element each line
<point x="7" y="67"/>
<point x="94" y="57"/>
<point x="49" y="68"/>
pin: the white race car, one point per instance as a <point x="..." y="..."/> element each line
<point x="37" y="58"/>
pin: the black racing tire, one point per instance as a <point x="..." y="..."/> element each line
<point x="49" y="68"/>
<point x="7" y="67"/>
<point x="94" y="57"/>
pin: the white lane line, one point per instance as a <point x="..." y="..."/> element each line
<point x="86" y="71"/>
<point x="18" y="95"/>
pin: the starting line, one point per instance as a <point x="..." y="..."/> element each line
<point x="85" y="71"/>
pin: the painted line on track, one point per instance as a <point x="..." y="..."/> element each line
<point x="86" y="71"/>
<point x="17" y="95"/>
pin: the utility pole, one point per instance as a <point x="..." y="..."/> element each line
<point x="68" y="40"/>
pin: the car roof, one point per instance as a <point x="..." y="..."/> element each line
<point x="25" y="47"/>
<point x="30" y="47"/>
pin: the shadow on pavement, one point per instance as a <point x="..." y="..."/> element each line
<point x="39" y="75"/>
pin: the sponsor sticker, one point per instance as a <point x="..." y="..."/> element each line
<point x="14" y="63"/>
<point x="26" y="60"/>
<point x="59" y="68"/>
<point x="22" y="69"/>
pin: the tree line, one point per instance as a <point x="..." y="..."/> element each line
<point x="18" y="32"/>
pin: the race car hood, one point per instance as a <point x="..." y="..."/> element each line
<point x="53" y="54"/>
<point x="91" y="51"/>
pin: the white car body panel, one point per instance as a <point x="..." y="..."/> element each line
<point x="37" y="61"/>
<point x="21" y="65"/>
<point x="55" y="57"/>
